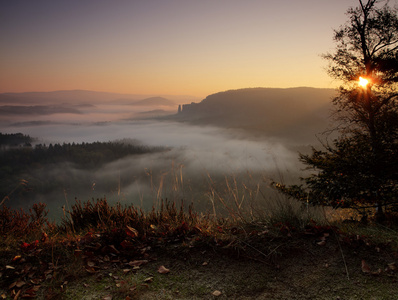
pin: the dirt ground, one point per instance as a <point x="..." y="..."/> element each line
<point x="298" y="266"/>
<point x="298" y="269"/>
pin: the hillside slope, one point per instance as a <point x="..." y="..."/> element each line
<point x="297" y="113"/>
<point x="58" y="97"/>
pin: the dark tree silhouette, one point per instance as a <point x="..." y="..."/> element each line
<point x="360" y="167"/>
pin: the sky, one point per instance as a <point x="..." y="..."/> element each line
<point x="166" y="47"/>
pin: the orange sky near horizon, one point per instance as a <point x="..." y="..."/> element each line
<point x="176" y="47"/>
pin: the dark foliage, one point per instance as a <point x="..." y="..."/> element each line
<point x="99" y="215"/>
<point x="360" y="167"/>
<point x="14" y="140"/>
<point x="85" y="155"/>
<point x="19" y="223"/>
<point x="22" y="162"/>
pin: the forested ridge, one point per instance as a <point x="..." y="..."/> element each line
<point x="85" y="155"/>
<point x="19" y="159"/>
<point x="14" y="140"/>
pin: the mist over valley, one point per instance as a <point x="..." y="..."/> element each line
<point x="242" y="137"/>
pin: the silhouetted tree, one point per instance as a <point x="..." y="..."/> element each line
<point x="360" y="167"/>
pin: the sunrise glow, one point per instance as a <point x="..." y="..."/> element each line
<point x="363" y="82"/>
<point x="165" y="47"/>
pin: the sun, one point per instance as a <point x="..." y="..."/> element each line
<point x="363" y="82"/>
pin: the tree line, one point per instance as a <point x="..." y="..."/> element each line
<point x="21" y="162"/>
<point x="84" y="155"/>
<point x="14" y="140"/>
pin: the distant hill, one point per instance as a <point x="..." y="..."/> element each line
<point x="84" y="97"/>
<point x="37" y="110"/>
<point x="294" y="113"/>
<point x="69" y="97"/>
<point x="154" y="101"/>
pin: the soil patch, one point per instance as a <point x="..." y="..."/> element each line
<point x="293" y="265"/>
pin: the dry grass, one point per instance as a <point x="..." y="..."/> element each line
<point x="246" y="219"/>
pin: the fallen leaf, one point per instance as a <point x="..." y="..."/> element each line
<point x="365" y="267"/>
<point x="125" y="271"/>
<point x="127" y="244"/>
<point x="17" y="257"/>
<point x="12" y="285"/>
<point x="27" y="268"/>
<point x="17" y="284"/>
<point x="216" y="293"/>
<point x="321" y="243"/>
<point x="35" y="288"/>
<point x="29" y="296"/>
<point x="148" y="280"/>
<point x="27" y="247"/>
<point x="10" y="267"/>
<point x="378" y="272"/>
<point x="20" y="283"/>
<point x="137" y="263"/>
<point x="392" y="266"/>
<point x="108" y="297"/>
<point x="35" y="280"/>
<point x="31" y="293"/>
<point x="130" y="231"/>
<point x="205" y="263"/>
<point x="163" y="270"/>
<point x="90" y="264"/>
<point x="17" y="294"/>
<point x="110" y="249"/>
<point x="91" y="270"/>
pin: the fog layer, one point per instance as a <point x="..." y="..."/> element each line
<point x="197" y="156"/>
<point x="201" y="158"/>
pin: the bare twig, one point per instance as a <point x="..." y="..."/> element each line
<point x="262" y="253"/>
<point x="342" y="255"/>
<point x="338" y="242"/>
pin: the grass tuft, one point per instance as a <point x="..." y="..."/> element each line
<point x="95" y="237"/>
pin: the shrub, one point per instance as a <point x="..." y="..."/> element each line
<point x="19" y="223"/>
